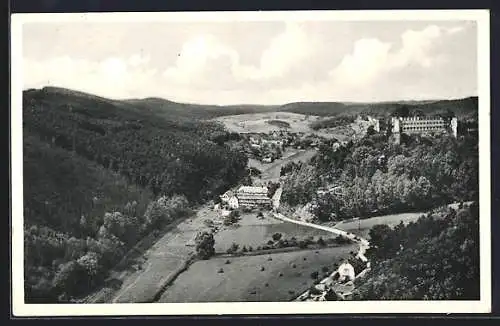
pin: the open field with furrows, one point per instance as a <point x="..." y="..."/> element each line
<point x="251" y="232"/>
<point x="244" y="280"/>
<point x="163" y="260"/>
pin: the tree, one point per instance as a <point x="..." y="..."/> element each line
<point x="90" y="262"/>
<point x="205" y="245"/>
<point x="233" y="249"/>
<point x="68" y="279"/>
<point x="277" y="236"/>
<point x="401" y="111"/>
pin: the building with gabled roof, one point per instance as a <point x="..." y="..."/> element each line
<point x="250" y="196"/>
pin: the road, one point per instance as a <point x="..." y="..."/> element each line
<point x="363" y="243"/>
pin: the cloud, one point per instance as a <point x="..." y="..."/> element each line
<point x="455" y="29"/>
<point x="372" y="60"/>
<point x="112" y="76"/>
<point x="301" y="62"/>
<point x="197" y="60"/>
<point x="363" y="65"/>
<point x="204" y="61"/>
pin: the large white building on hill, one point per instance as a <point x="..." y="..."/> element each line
<point x="422" y="125"/>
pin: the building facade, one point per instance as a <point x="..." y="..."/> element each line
<point x="252" y="197"/>
<point x="422" y="125"/>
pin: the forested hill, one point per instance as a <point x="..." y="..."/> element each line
<point x="434" y="258"/>
<point x="166" y="109"/>
<point x="463" y="108"/>
<point x="100" y="174"/>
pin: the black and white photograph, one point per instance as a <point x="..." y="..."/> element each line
<point x="251" y="162"/>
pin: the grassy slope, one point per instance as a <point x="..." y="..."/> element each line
<point x="243" y="279"/>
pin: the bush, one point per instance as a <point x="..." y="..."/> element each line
<point x="205" y="245"/>
<point x="270" y="243"/>
<point x="341" y="240"/>
<point x="234" y="248"/>
<point x="302" y="244"/>
<point x="293" y="242"/>
<point x="232" y="218"/>
<point x="315" y="275"/>
<point x="244" y="249"/>
<point x="321" y="242"/>
<point x="277" y="236"/>
<point x="250" y="248"/>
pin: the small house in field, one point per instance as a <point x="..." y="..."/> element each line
<point x="346" y="272"/>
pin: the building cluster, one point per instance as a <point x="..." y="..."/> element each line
<point x="267" y="149"/>
<point x="247" y="197"/>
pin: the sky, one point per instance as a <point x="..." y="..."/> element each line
<point x="255" y="62"/>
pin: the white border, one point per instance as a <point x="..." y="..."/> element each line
<point x="252" y="308"/>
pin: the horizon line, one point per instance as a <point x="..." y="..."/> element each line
<point x="256" y="104"/>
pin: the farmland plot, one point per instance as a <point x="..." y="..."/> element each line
<point x="274" y="277"/>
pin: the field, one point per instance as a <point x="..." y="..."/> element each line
<point x="271" y="172"/>
<point x="243" y="279"/>
<point x="265" y="122"/>
<point x="362" y="227"/>
<point x="162" y="261"/>
<point x="254" y="232"/>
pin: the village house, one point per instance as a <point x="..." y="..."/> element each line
<point x="229" y="200"/>
<point x="346" y="272"/>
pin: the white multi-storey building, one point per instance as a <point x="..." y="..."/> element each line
<point x="423" y="125"/>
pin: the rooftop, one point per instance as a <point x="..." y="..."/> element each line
<point x="253" y="190"/>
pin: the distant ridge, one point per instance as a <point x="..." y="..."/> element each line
<point x="166" y="108"/>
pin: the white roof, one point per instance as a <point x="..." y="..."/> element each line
<point x="254" y="190"/>
<point x="346" y="269"/>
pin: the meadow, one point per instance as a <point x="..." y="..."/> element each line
<point x="264" y="278"/>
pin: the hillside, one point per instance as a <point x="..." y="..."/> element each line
<point x="168" y="109"/>
<point x="159" y="107"/>
<point x="434" y="258"/>
<point x="463" y="108"/>
<point x="99" y="175"/>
